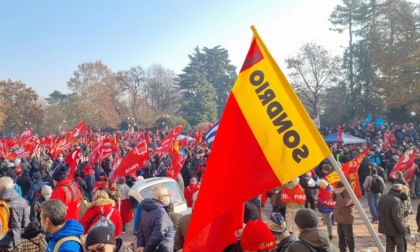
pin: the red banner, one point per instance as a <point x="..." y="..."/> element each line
<point x="71" y="160"/>
<point x="25" y="151"/>
<point x="166" y="143"/>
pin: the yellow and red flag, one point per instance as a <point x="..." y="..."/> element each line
<point x="265" y="138"/>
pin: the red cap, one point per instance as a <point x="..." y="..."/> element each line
<point x="257" y="236"/>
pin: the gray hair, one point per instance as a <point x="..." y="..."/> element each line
<point x="55" y="210"/>
<point x="159" y="190"/>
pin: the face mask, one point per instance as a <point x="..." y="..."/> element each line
<point x="47" y="197"/>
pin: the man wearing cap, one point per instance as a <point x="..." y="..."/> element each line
<point x="344" y="216"/>
<point x="390" y="223"/>
<point x="46" y="191"/>
<point x="102" y="239"/>
<point x="66" y="191"/>
<point x="190" y="190"/>
<point x="282" y="236"/>
<point x="310" y="237"/>
<point x="256" y="236"/>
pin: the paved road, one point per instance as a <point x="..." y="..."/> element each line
<point x="363" y="238"/>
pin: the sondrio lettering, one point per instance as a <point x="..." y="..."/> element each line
<point x="275" y="111"/>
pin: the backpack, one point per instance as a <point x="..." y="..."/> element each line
<point x="6" y="233"/>
<point x="103" y="221"/>
<point x="312" y="248"/>
<point x="376" y="185"/>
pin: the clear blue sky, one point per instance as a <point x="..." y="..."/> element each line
<point x="43" y="42"/>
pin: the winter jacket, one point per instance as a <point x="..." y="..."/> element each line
<point x="49" y="181"/>
<point x="70" y="195"/>
<point x="71" y="228"/>
<point x="35" y="188"/>
<point x="34" y="214"/>
<point x="156" y="232"/>
<point x="390" y="223"/>
<point x="405" y="211"/>
<point x="368" y="182"/>
<point x="315" y="237"/>
<point x="188" y="193"/>
<point x="81" y="184"/>
<point x="124" y="189"/>
<point x="344" y="208"/>
<point x="325" y="203"/>
<point x="181" y="231"/>
<point x="90" y="182"/>
<point x="20" y="212"/>
<point x="24" y="182"/>
<point x="98" y="208"/>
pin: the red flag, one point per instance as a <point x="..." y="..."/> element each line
<point x="339" y="135"/>
<point x="26" y="133"/>
<point x="353" y="176"/>
<point x="176" y="163"/>
<point x="135" y="160"/>
<point x="406" y="163"/>
<point x="24" y="151"/>
<point x="71" y="160"/>
<point x="166" y="143"/>
<point x="78" y="130"/>
<point x="95" y="153"/>
<point x="199" y="136"/>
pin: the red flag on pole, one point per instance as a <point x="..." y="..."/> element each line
<point x="339" y="135"/>
<point x="71" y="160"/>
<point x="406" y="163"/>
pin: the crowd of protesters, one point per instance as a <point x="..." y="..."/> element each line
<point x="52" y="210"/>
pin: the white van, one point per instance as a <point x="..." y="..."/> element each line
<point x="143" y="189"/>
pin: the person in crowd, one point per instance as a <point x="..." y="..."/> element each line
<point x="275" y="199"/>
<point x="412" y="182"/>
<point x="363" y="172"/>
<point x="36" y="186"/>
<point x="294" y="198"/>
<point x="46" y="177"/>
<point x="81" y="184"/>
<point x="102" y="182"/>
<point x="323" y="170"/>
<point x="344" y="217"/>
<point x="90" y="182"/>
<point x="190" y="190"/>
<point x="66" y="191"/>
<point x="151" y="237"/>
<point x="101" y="239"/>
<point x="98" y="171"/>
<point x="326" y="204"/>
<point x="34" y="214"/>
<point x="281" y="234"/>
<point x="102" y="205"/>
<point x="374" y="186"/>
<point x="25" y="164"/>
<point x="256" y="236"/>
<point x="114" y="194"/>
<point x="20" y="213"/>
<point x="182" y="228"/>
<point x="311" y="189"/>
<point x="310" y="237"/>
<point x="34" y="239"/>
<point x="62" y="235"/>
<point x="390" y="222"/>
<point x="126" y="207"/>
<point x="174" y="216"/>
<point x="398" y="178"/>
<point x="24" y="182"/>
<point x="405" y="211"/>
<point x="391" y="164"/>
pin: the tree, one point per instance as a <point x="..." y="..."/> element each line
<point x="22" y="109"/>
<point x="215" y="63"/>
<point x="56" y="97"/>
<point x="161" y="90"/>
<point x="312" y="71"/>
<point x="198" y="103"/>
<point x="97" y="92"/>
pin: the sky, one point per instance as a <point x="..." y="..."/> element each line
<point x="43" y="42"/>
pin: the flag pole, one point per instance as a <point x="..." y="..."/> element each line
<point x="356" y="203"/>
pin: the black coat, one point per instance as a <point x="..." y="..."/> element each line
<point x="25" y="183"/>
<point x="390" y="223"/>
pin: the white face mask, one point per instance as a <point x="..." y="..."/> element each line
<point x="47" y="197"/>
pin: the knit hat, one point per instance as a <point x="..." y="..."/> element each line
<point x="277" y="223"/>
<point x="257" y="236"/>
<point x="60" y="173"/>
<point x="306" y="218"/>
<point x="100" y="234"/>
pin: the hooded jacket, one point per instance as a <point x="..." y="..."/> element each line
<point x="70" y="228"/>
<point x="70" y="195"/>
<point x="390" y="223"/>
<point x="24" y="182"/>
<point x="20" y="211"/>
<point x="156" y="232"/>
<point x="315" y="237"/>
<point x="98" y="208"/>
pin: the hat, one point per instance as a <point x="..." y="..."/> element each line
<point x="25" y="171"/>
<point x="46" y="190"/>
<point x="100" y="234"/>
<point x="396" y="187"/>
<point x="60" y="173"/>
<point x="257" y="236"/>
<point x="306" y="218"/>
<point x="277" y="223"/>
